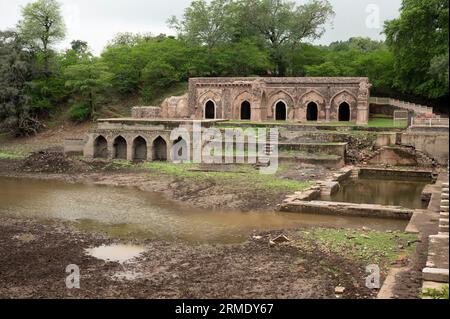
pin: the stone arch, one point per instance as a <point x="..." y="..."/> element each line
<point x="246" y="110"/>
<point x="312" y="96"/>
<point x="238" y="102"/>
<point x="312" y="111"/>
<point x="204" y="99"/>
<point x="281" y="96"/>
<point x="281" y="111"/>
<point x="100" y="147"/>
<point x="338" y="99"/>
<point x="344" y="112"/>
<point x="140" y="149"/>
<point x="159" y="148"/>
<point x="210" y="110"/>
<point x="120" y="148"/>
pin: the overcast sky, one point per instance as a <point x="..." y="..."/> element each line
<point x="97" y="21"/>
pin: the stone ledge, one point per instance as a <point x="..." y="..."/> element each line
<point x="347" y="209"/>
<point x="435" y="274"/>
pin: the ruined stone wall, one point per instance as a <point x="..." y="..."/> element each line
<point x="142" y="112"/>
<point x="264" y="94"/>
<point x="136" y="144"/>
<point x="433" y="144"/>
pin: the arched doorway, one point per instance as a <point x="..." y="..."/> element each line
<point x="159" y="149"/>
<point x="100" y="147"/>
<point x="210" y="110"/>
<point x="280" y="111"/>
<point x="344" y="112"/>
<point x="246" y="111"/>
<point x="312" y="112"/>
<point x="180" y="150"/>
<point x="120" y="148"/>
<point x="139" y="149"/>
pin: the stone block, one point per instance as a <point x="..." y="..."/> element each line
<point x="435" y="274"/>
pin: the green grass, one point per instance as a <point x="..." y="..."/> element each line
<point x="436" y="293"/>
<point x="376" y="121"/>
<point x="387" y="122"/>
<point x="10" y="155"/>
<point x="370" y="247"/>
<point x="244" y="176"/>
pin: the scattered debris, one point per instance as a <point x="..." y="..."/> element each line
<point x="339" y="290"/>
<point x="281" y="239"/>
<point x="49" y="161"/>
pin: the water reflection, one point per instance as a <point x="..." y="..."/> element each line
<point x="127" y="212"/>
<point x="382" y="191"/>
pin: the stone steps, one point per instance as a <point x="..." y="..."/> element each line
<point x="437" y="267"/>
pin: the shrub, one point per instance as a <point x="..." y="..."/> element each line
<point x="79" y="112"/>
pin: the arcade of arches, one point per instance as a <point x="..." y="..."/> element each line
<point x="280" y="99"/>
<point x="135" y="148"/>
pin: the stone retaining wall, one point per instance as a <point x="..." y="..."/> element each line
<point x="347" y="209"/>
<point x="74" y="146"/>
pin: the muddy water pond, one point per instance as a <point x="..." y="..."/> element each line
<point x="131" y="213"/>
<point x="405" y="193"/>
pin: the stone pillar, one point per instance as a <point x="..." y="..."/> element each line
<point x="150" y="150"/>
<point x="328" y="112"/>
<point x="170" y="155"/>
<point x="130" y="150"/>
<point x="256" y="111"/>
<point x="362" y="113"/>
<point x="110" y="148"/>
<point x="88" y="150"/>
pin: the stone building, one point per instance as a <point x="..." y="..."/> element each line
<point x="268" y="99"/>
<point x="146" y="135"/>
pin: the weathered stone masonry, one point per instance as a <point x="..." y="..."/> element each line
<point x="137" y="140"/>
<point x="265" y="99"/>
<point x="146" y="136"/>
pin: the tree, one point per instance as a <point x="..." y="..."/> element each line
<point x="88" y="79"/>
<point x="282" y="24"/>
<point x="357" y="57"/>
<point x="15" y="74"/>
<point x="42" y="26"/>
<point x="205" y="24"/>
<point x="417" y="39"/>
<point x="243" y="58"/>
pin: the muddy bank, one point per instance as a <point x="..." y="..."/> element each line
<point x="35" y="255"/>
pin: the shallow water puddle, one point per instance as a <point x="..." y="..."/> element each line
<point x="116" y="253"/>
<point x="405" y="193"/>
<point x="128" y="213"/>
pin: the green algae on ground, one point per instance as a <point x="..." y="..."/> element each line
<point x="245" y="175"/>
<point x="369" y="247"/>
